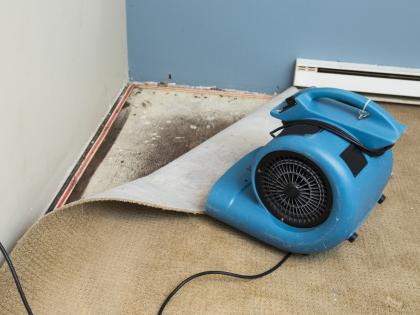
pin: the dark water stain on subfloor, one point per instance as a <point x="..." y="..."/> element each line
<point x="184" y="134"/>
<point x="175" y="139"/>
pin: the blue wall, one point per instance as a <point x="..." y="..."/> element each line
<point x="252" y="45"/>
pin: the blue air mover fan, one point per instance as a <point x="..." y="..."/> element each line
<point x="312" y="186"/>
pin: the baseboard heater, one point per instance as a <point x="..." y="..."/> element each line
<point x="381" y="83"/>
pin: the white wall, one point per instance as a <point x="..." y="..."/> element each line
<point x="62" y="65"/>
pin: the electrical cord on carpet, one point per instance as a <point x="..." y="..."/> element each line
<point x="16" y="278"/>
<point x="223" y="273"/>
<point x="168" y="298"/>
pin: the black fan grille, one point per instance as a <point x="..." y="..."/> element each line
<point x="293" y="189"/>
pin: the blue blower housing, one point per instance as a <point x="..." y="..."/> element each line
<point x="316" y="181"/>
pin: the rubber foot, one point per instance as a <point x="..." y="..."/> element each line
<point x="353" y="237"/>
<point x="382" y="199"/>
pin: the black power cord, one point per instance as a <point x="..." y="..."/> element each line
<point x="16" y="278"/>
<point x="169" y="297"/>
<point x="223" y="273"/>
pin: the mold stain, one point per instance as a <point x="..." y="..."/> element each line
<point x="178" y="138"/>
<point x="146" y="136"/>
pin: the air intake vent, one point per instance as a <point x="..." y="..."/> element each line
<point x="293" y="189"/>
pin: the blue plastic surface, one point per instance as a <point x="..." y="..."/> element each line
<point x="330" y="105"/>
<point x="233" y="198"/>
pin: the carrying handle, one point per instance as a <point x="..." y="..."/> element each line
<point x="379" y="130"/>
<point x="365" y="105"/>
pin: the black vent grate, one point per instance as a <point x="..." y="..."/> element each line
<point x="293" y="189"/>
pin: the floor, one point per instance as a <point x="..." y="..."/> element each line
<point x="156" y="126"/>
<point x="117" y="258"/>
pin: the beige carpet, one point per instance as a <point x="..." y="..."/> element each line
<point x="115" y="258"/>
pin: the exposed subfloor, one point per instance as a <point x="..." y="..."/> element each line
<point x="155" y="127"/>
<point x="118" y="258"/>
